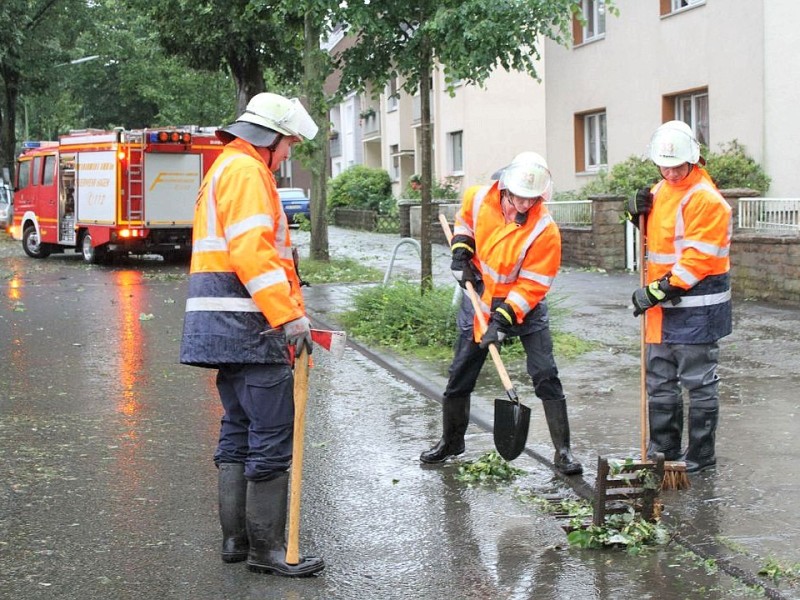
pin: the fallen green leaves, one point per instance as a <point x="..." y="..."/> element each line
<point x="490" y="468"/>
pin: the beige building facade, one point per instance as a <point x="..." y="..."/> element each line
<point x="727" y="67"/>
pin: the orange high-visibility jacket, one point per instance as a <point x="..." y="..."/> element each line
<point x="242" y="279"/>
<point x="518" y="262"/>
<point x="689" y="235"/>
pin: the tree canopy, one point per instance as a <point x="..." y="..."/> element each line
<point x="469" y="39"/>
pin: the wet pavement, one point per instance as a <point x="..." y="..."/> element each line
<point x="108" y="489"/>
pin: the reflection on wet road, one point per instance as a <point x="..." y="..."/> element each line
<point x="108" y="489"/>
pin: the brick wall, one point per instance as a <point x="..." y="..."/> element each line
<point x="601" y="245"/>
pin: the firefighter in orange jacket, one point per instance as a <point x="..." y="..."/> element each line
<point x="688" y="297"/>
<point x="244" y="313"/>
<point x="507" y="244"/>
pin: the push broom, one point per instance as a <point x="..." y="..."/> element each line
<point x="675" y="477"/>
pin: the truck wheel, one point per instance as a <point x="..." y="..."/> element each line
<point x="32" y="244"/>
<point x="94" y="255"/>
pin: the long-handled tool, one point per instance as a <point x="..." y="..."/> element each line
<point x="333" y="341"/>
<point x="675" y="477"/>
<point x="511" y="417"/>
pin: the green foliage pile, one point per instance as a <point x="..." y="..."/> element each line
<point x="489" y="468"/>
<point x="363" y="188"/>
<point x="399" y="317"/>
<point x="731" y="167"/>
<point x="337" y="271"/>
<point x="626" y="530"/>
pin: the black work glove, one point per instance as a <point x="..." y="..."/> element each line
<point x="639" y="204"/>
<point x="658" y="291"/>
<point x="463" y="272"/>
<point x="298" y="334"/>
<point x="463" y="249"/>
<point x="501" y="321"/>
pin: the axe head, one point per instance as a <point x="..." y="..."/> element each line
<point x="332" y="341"/>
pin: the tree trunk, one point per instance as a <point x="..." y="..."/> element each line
<point x="314" y="78"/>
<point x="8" y="121"/>
<point x="248" y="77"/>
<point x="426" y="147"/>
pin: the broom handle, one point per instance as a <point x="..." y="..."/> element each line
<point x="300" y="401"/>
<point x="642" y="343"/>
<point x="473" y="297"/>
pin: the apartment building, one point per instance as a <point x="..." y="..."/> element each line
<point x="475" y="132"/>
<point x="727" y="67"/>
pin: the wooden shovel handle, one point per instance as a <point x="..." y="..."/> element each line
<point x="473" y="296"/>
<point x="298" y="438"/>
<point x="642" y="344"/>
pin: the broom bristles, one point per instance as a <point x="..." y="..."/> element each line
<point x="675" y="476"/>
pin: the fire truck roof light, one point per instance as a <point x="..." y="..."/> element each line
<point x="169" y="137"/>
<point x="29" y="144"/>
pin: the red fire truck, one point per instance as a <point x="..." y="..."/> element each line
<point x="103" y="193"/>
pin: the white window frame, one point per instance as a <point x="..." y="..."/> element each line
<point x="392" y="97"/>
<point x="678" y="5"/>
<point x="455" y="152"/>
<point x="595" y="142"/>
<point x="594" y="15"/>
<point x="693" y="110"/>
<point x="394" y="154"/>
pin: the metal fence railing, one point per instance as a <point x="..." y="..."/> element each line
<point x="770" y="214"/>
<point x="571" y="212"/>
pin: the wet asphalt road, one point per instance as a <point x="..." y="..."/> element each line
<point x="108" y="489"/>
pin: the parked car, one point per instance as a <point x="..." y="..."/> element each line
<point x="295" y="202"/>
<point x="6" y="206"/>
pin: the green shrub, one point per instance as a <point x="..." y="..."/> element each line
<point x="446" y="189"/>
<point x="398" y="317"/>
<point x="624" y="178"/>
<point x="362" y="188"/>
<point x="729" y="168"/>
<point x="733" y="168"/>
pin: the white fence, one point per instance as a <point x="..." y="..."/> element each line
<point x="770" y="214"/>
<point x="576" y="213"/>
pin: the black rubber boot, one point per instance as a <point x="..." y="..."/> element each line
<point x="455" y="419"/>
<point x="232" y="488"/>
<point x="666" y="427"/>
<point x="700" y="455"/>
<point x="555" y="411"/>
<point x="266" y="529"/>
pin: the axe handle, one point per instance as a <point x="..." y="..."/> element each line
<point x="473" y="297"/>
<point x="298" y="438"/>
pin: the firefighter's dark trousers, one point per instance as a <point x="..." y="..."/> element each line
<point x="541" y="365"/>
<point x="256" y="428"/>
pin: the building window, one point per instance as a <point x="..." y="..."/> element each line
<point x="692" y="109"/>
<point x="590" y="142"/>
<point x="592" y="24"/>
<point x="671" y="6"/>
<point x="392" y="94"/>
<point x="455" y="147"/>
<point x="394" y="152"/>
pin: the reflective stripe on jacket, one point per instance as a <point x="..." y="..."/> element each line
<point x="689" y="234"/>
<point x="518" y="262"/>
<point x="242" y="280"/>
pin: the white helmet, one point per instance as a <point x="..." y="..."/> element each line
<point x="673" y="144"/>
<point x="527" y="177"/>
<point x="268" y="115"/>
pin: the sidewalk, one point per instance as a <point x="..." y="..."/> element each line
<point x="742" y="514"/>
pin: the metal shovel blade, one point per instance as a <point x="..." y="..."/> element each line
<point x="511" y="422"/>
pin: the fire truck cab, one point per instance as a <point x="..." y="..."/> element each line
<point x="106" y="193"/>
